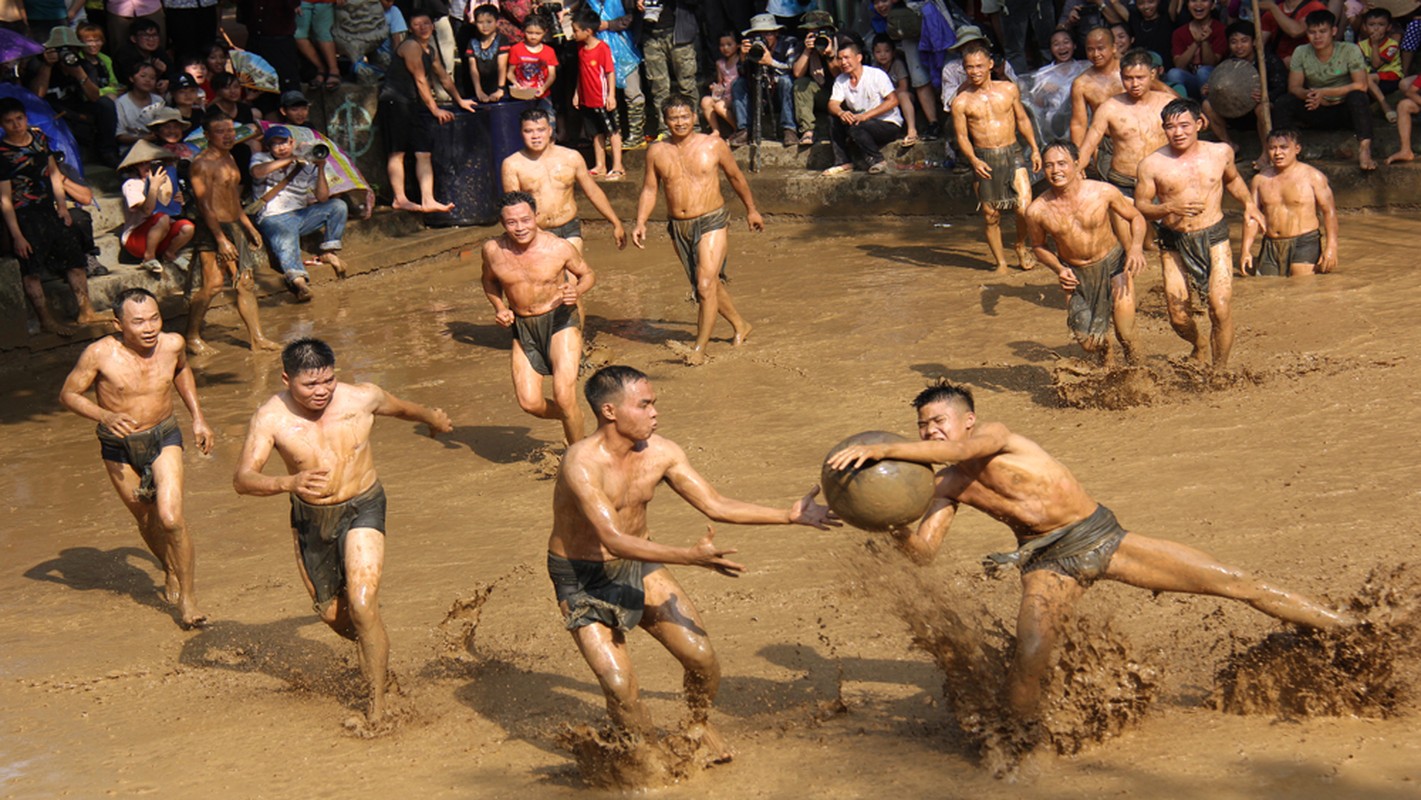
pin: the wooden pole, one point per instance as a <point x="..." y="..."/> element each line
<point x="1262" y="70"/>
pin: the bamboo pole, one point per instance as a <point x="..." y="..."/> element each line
<point x="1262" y="70"/>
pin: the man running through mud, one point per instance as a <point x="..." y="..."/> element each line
<point x="549" y="172"/>
<point x="689" y="164"/>
<point x="610" y="577"/>
<point x="1066" y="540"/>
<point x="321" y="429"/>
<point x="1131" y="120"/>
<point x="523" y="281"/>
<point x="1099" y="236"/>
<point x="133" y="375"/>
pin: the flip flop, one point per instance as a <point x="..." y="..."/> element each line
<point x="616" y="175"/>
<point x="594" y="172"/>
<point x="332" y="81"/>
<point x="910" y="140"/>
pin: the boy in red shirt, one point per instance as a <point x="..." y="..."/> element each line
<point x="596" y="94"/>
<point x="532" y="65"/>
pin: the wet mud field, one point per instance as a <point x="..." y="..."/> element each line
<point x="846" y="674"/>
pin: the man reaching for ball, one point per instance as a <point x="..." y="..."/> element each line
<point x="608" y="574"/>
<point x="1066" y="540"/>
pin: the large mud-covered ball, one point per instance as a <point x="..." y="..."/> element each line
<point x="880" y="495"/>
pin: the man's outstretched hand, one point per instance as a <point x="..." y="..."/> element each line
<point x="806" y="511"/>
<point x="706" y="554"/>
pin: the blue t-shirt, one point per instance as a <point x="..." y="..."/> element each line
<point x="47" y="9"/>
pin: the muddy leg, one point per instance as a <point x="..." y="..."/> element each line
<point x="78" y="279"/>
<point x="1221" y="303"/>
<point x="566" y="352"/>
<point x="993" y="228"/>
<point x="1022" y="184"/>
<point x="247" y="310"/>
<point x="364" y="558"/>
<point x="672" y="619"/>
<point x="1176" y="298"/>
<point x="605" y="651"/>
<point x="213" y="279"/>
<point x="1122" y="289"/>
<point x="1046" y="598"/>
<point x="170" y="525"/>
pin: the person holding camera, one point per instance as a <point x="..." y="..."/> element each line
<point x="766" y="54"/>
<point x="152" y="208"/>
<point x="814" y="71"/>
<point x="69" y="83"/>
<point x="863" y="111"/>
<point x="295" y="200"/>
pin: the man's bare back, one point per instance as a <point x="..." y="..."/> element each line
<point x="690" y="172"/>
<point x="1193" y="180"/>
<point x="330" y="451"/>
<point x="1133" y="127"/>
<point x="550" y="177"/>
<point x="990" y="113"/>
<point x="532" y="280"/>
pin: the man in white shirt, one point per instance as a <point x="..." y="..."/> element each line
<point x="302" y="206"/>
<point x="863" y="111"/>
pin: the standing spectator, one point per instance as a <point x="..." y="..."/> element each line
<point x="668" y="45"/>
<point x="1197" y="47"/>
<point x="716" y="105"/>
<point x="487" y="56"/>
<point x="1383" y="55"/>
<point x="1284" y="24"/>
<point x="313" y="24"/>
<point x="1327" y="87"/>
<point x="298" y="203"/>
<point x="33" y="203"/>
<point x="533" y="65"/>
<point x="1039" y="17"/>
<point x="191" y="24"/>
<point x="814" y="73"/>
<point x="777" y="54"/>
<point x="271" y="32"/>
<point x="44" y="16"/>
<point x="596" y="96"/>
<point x="863" y="112"/>
<point x="121" y="16"/>
<point x="153" y="208"/>
<point x="616" y="21"/>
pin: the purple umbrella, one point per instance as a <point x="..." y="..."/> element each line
<point x="14" y="47"/>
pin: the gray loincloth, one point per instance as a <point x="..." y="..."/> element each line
<point x="999" y="191"/>
<point x="536" y="333"/>
<point x="139" y="450"/>
<point x="1091" y="308"/>
<point x="1104" y="157"/>
<point x="1125" y="183"/>
<point x="320" y="533"/>
<point x="572" y="229"/>
<point x="1195" y="251"/>
<point x="686" y="235"/>
<point x="1081" y="550"/>
<point x="1279" y="255"/>
<point x="248" y="257"/>
<point x="606" y="592"/>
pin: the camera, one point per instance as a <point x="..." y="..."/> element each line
<point x="68" y="57"/>
<point x="758" y="48"/>
<point x="319" y="151"/>
<point x="157" y="165"/>
<point x="822" y="41"/>
<point x="557" y="26"/>
<point x="652" y="10"/>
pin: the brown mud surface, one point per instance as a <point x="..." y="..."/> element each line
<point x="1300" y="465"/>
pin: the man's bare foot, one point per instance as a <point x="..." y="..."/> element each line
<point x="436" y="207"/>
<point x="1399" y="156"/>
<point x="402" y="204"/>
<point x="1025" y="258"/>
<point x="335" y="263"/>
<point x="1200" y="354"/>
<point x="263" y="343"/>
<point x="197" y="347"/>
<point x="1000" y="268"/>
<point x="191" y="617"/>
<point x="742" y="334"/>
<point x="710" y="738"/>
<point x="95" y="318"/>
<point x="54" y="326"/>
<point x="1365" y="160"/>
<point x="695" y="357"/>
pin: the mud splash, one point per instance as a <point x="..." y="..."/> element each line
<point x="609" y="758"/>
<point x="1079" y="385"/>
<point x="1370" y="670"/>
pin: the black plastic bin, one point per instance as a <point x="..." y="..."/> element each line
<point x="468" y="152"/>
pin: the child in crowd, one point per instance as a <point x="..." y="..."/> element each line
<point x="185" y="100"/>
<point x="196" y="67"/>
<point x="218" y="60"/>
<point x="596" y="93"/>
<point x="1240" y="38"/>
<point x="886" y="58"/>
<point x="152" y="208"/>
<point x="1383" y="55"/>
<point x="532" y="65"/>
<point x="131" y="105"/>
<point x="1198" y="45"/>
<point x="487" y="56"/>
<point x="717" y="105"/>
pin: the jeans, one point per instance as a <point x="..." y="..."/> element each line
<point x="783" y="90"/>
<point x="868" y="136"/>
<point x="1191" y="81"/>
<point x="283" y="233"/>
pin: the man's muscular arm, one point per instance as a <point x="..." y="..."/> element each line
<point x="1327" y="209"/>
<point x="599" y="201"/>
<point x="986" y="440"/>
<point x="1237" y="187"/>
<point x="1080" y="113"/>
<point x="249" y="479"/>
<point x="387" y="405"/>
<point x="1024" y="127"/>
<point x="1123" y="209"/>
<point x="74" y="395"/>
<point x="922" y="544"/>
<point x="1036" y="235"/>
<point x="493" y="290"/>
<point x="699" y="492"/>
<point x="739" y="184"/>
<point x="186" y="385"/>
<point x="647" y="201"/>
<point x="1093" y="135"/>
<point x="579" y="269"/>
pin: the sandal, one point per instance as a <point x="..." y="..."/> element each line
<point x="616" y="174"/>
<point x="838" y="169"/>
<point x="594" y="172"/>
<point x="909" y="140"/>
<point x="332" y="81"/>
<point x="806" y="139"/>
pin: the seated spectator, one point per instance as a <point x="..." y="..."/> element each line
<point x="1284" y="24"/>
<point x="777" y="54"/>
<point x="185" y="99"/>
<point x="195" y="66"/>
<point x="596" y="93"/>
<point x="1124" y="39"/>
<point x="533" y="66"/>
<point x="486" y="56"/>
<point x="863" y="111"/>
<point x="814" y="71"/>
<point x="145" y="44"/>
<point x="1079" y="17"/>
<point x="295" y="109"/>
<point x="219" y="60"/>
<point x="166" y="130"/>
<point x="1409" y="105"/>
<point x="297" y="202"/>
<point x="1152" y="27"/>
<point x="37" y="214"/>
<point x="1241" y="49"/>
<point x="716" y="106"/>
<point x="123" y="18"/>
<point x="68" y="81"/>
<point x="1383" y="55"/>
<point x="360" y="29"/>
<point x="153" y="205"/>
<point x="371" y="68"/>
<point x="130" y="107"/>
<point x="313" y="24"/>
<point x="227" y="95"/>
<point x="903" y="24"/>
<point x="1198" y="46"/>
<point x="97" y="63"/>
<point x="887" y="58"/>
<point x="1327" y="87"/>
<point x="1063" y="48"/>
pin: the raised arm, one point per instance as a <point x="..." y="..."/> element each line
<point x="742" y="186"/>
<point x="988" y="439"/>
<point x="387" y="405"/>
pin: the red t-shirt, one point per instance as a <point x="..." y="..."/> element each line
<point x="531" y="69"/>
<point x="594" y="62"/>
<point x="1287" y="44"/>
<point x="1218" y="42"/>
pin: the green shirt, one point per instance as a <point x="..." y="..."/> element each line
<point x="1336" y="71"/>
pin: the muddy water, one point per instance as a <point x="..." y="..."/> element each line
<point x="1304" y="471"/>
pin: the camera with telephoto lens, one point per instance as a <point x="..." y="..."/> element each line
<point x="822" y="41"/>
<point x="758" y="48"/>
<point x="69" y="56"/>
<point x="550" y="11"/>
<point x="319" y="151"/>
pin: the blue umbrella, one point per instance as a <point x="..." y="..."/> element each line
<point x="14" y="47"/>
<point x="42" y="116"/>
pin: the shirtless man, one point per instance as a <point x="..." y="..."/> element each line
<point x="1188" y="178"/>
<point x="227" y="243"/>
<point x="321" y="429"/>
<point x="523" y="281"/>
<point x="1066" y="540"/>
<point x="549" y="172"/>
<point x="609" y="576"/>
<point x="688" y="163"/>
<point x="988" y="117"/>
<point x="1100" y="239"/>
<point x="1130" y="119"/>
<point x="1093" y="87"/>
<point x="133" y="375"/>
<point x="1291" y="196"/>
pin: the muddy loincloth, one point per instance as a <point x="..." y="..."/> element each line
<point x="1125" y="183"/>
<point x="139" y="450"/>
<point x="247" y="256"/>
<point x="1279" y="255"/>
<point x="1081" y="550"/>
<point x="999" y="191"/>
<point x="320" y="533"/>
<point x="536" y="333"/>
<point x="606" y="592"/>
<point x="572" y="229"/>
<point x="1104" y="158"/>
<point x="686" y="235"/>
<point x="1194" y="249"/>
<point x="1090" y="309"/>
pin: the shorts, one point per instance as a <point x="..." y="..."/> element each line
<point x="55" y="248"/>
<point x="535" y="335"/>
<point x="1279" y="255"/>
<point x="139" y="451"/>
<point x="136" y="242"/>
<point x="1195" y="251"/>
<point x="1080" y="551"/>
<point x="597" y="122"/>
<point x="1388" y="85"/>
<point x="610" y="593"/>
<point x="314" y="22"/>
<point x="1125" y="183"/>
<point x="247" y="256"/>
<point x="917" y="74"/>
<point x="686" y="235"/>
<point x="572" y="229"/>
<point x="320" y="535"/>
<point x="408" y="128"/>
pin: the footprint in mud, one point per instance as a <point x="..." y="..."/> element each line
<point x="594" y="357"/>
<point x="1078" y="384"/>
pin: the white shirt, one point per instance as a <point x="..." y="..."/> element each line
<point x="873" y="88"/>
<point x="295" y="196"/>
<point x="130" y="115"/>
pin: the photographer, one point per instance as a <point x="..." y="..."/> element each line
<point x="814" y="72"/>
<point x="669" y="43"/>
<point x="69" y="81"/>
<point x="294" y="201"/>
<point x="765" y="54"/>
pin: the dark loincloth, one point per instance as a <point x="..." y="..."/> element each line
<point x="1279" y="255"/>
<point x="686" y="235"/>
<point x="536" y="333"/>
<point x="999" y="191"/>
<point x="572" y="229"/>
<point x="248" y="257"/>
<point x="1195" y="251"/>
<point x="1125" y="183"/>
<point x="139" y="450"/>
<point x="1091" y="308"/>
<point x="1081" y="550"/>
<point x="605" y="592"/>
<point x="320" y="533"/>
